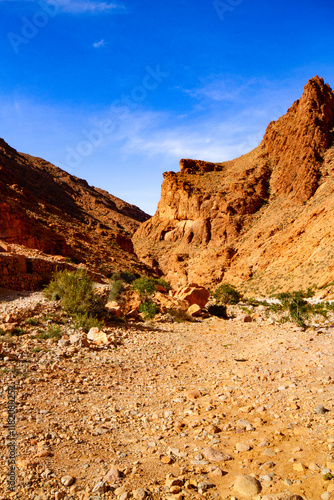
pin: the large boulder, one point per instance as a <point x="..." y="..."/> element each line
<point x="194" y="294"/>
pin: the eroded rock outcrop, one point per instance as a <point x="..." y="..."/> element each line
<point x="266" y="216"/>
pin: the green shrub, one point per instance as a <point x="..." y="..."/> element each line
<point x="86" y="322"/>
<point x="33" y="321"/>
<point x="75" y="289"/>
<point x="145" y="286"/>
<point x="116" y="288"/>
<point x="125" y="276"/>
<point x="2" y="332"/>
<point x="18" y="331"/>
<point x="51" y="333"/>
<point x="226" y="294"/>
<point x="36" y="349"/>
<point x="299" y="309"/>
<point x="149" y="309"/>
<point x="164" y="283"/>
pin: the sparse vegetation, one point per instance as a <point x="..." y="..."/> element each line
<point x="36" y="349"/>
<point x="86" y="322"/>
<point x="75" y="290"/>
<point x="226" y="294"/>
<point x="299" y="310"/>
<point x="180" y="316"/>
<point x="18" y="331"/>
<point x="145" y="286"/>
<point x="125" y="276"/>
<point x="149" y="309"/>
<point x="116" y="288"/>
<point x="32" y="321"/>
<point x="51" y="333"/>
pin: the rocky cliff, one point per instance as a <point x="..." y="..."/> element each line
<point x="263" y="221"/>
<point x="44" y="207"/>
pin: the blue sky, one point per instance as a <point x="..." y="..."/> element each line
<point x="118" y="92"/>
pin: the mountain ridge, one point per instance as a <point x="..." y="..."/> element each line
<point x="46" y="208"/>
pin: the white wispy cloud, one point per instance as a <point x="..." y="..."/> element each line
<point x="75" y="6"/>
<point x="89" y="6"/>
<point x="99" y="44"/>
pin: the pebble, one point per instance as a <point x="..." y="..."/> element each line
<point x="242" y="447"/>
<point x="326" y="496"/>
<point x="321" y="410"/>
<point x="99" y="488"/>
<point x="247" y="485"/>
<point x="139" y="494"/>
<point x="67" y="480"/>
<point x="215" y="455"/>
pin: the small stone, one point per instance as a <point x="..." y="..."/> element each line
<point x="299" y="467"/>
<point x="264" y="443"/>
<point x="314" y="467"/>
<point x="204" y="486"/>
<point x="215" y="455"/>
<point x="193" y="394"/>
<point x="99" y="488"/>
<point x="217" y="472"/>
<point x="194" y="311"/>
<point x="267" y="478"/>
<point x="139" y="494"/>
<point x="321" y="410"/>
<point x="326" y="496"/>
<point x="213" y="429"/>
<point x="97" y="336"/>
<point x="173" y="481"/>
<point x="243" y="423"/>
<point x="59" y="495"/>
<point x="247" y="485"/>
<point x="119" y="491"/>
<point x="166" y="460"/>
<point x="288" y="482"/>
<point x="67" y="480"/>
<point x="269" y="453"/>
<point x="242" y="447"/>
<point x="112" y="476"/>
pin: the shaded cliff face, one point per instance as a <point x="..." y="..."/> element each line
<point x="257" y="221"/>
<point x="44" y="207"/>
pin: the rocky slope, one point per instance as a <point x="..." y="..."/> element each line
<point x="45" y="208"/>
<point x="263" y="221"/>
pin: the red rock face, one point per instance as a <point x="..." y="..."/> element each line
<point x="297" y="141"/>
<point x="264" y="219"/>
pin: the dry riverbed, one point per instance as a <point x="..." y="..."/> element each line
<point x="154" y="405"/>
